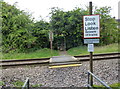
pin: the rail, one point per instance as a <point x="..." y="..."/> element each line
<point x="26" y="84"/>
<point x="46" y="61"/>
<point x="103" y="83"/>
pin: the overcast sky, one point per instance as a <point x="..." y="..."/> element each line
<point x="42" y="7"/>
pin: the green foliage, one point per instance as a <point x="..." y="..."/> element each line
<point x="16" y="28"/>
<point x="40" y="31"/>
<point x="21" y="34"/>
<point x="67" y="26"/>
<point x="108" y="30"/>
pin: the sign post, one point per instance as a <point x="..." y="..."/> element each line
<point x="51" y="40"/>
<point x="91" y="34"/>
<point x="91" y="53"/>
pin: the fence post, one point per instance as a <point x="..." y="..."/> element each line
<point x="88" y="79"/>
<point x="103" y="83"/>
<point x="26" y="84"/>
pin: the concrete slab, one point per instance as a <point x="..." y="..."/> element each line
<point x="63" y="58"/>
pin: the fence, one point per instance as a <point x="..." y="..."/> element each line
<point x="103" y="83"/>
<point x="26" y="84"/>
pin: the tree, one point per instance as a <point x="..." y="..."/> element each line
<point x="16" y="28"/>
<point x="109" y="31"/>
<point x="40" y="31"/>
<point x="68" y="26"/>
<point x="20" y="32"/>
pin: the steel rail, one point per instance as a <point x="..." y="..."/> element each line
<point x="98" y="55"/>
<point x="19" y="60"/>
<point x="45" y="61"/>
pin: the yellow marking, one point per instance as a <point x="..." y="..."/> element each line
<point x="60" y="66"/>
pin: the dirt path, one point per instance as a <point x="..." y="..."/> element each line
<point x="63" y="52"/>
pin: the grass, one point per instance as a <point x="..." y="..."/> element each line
<point x="107" y="49"/>
<point x="43" y="53"/>
<point x="19" y="84"/>
<point x="113" y="86"/>
<point x="37" y="85"/>
<point x="117" y="85"/>
<point x="1" y="83"/>
<point x="82" y="50"/>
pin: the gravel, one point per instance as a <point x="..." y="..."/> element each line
<point x="106" y="70"/>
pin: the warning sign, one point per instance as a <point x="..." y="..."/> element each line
<point x="91" y="26"/>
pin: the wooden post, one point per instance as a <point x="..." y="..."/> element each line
<point x="91" y="68"/>
<point x="91" y="53"/>
<point x="119" y="14"/>
<point x="51" y="46"/>
<point x="51" y="40"/>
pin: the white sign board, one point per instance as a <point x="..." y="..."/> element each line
<point x="91" y="26"/>
<point x="90" y="47"/>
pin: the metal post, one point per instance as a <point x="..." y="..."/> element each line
<point x="88" y="79"/>
<point x="90" y="8"/>
<point x="99" y="80"/>
<point x="91" y="53"/>
<point x="28" y="84"/>
<point x="91" y="68"/>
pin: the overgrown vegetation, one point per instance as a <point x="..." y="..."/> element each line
<point x="20" y="33"/>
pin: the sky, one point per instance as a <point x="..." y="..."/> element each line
<point x="42" y="7"/>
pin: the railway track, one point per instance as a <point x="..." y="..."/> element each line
<point x="44" y="61"/>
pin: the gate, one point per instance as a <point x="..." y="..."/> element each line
<point x="103" y="83"/>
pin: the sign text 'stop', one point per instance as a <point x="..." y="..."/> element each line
<point x="91" y="26"/>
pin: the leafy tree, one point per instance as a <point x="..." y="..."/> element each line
<point x="108" y="30"/>
<point x="20" y="32"/>
<point x="68" y="26"/>
<point x="40" y="31"/>
<point x="16" y="28"/>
